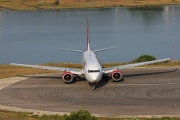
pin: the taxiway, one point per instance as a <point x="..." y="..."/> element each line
<point x="143" y="91"/>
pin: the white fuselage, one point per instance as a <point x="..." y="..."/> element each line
<point x="92" y="68"/>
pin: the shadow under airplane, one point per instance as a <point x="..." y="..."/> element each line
<point x="107" y="78"/>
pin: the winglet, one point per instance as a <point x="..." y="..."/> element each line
<point x="172" y="57"/>
<point x="87" y="33"/>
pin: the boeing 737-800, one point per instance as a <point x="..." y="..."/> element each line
<point x="91" y="68"/>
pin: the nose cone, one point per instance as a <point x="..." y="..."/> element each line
<point x="96" y="77"/>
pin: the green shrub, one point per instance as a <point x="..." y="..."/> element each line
<point x="81" y="115"/>
<point x="65" y="117"/>
<point x="52" y="117"/>
<point x="144" y="58"/>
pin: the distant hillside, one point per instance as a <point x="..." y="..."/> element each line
<point x="73" y="4"/>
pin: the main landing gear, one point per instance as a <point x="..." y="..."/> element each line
<point x="78" y="78"/>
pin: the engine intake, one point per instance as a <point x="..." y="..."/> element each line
<point x="67" y="77"/>
<point x="116" y="75"/>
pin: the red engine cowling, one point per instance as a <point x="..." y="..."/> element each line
<point x="67" y="77"/>
<point x="116" y="75"/>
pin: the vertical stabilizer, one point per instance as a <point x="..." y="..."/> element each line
<point x="87" y="33"/>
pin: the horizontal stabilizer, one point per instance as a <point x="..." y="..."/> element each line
<point x="79" y="51"/>
<point x="105" y="49"/>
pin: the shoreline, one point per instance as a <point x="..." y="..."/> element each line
<point x="65" y="5"/>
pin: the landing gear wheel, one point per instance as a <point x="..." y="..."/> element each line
<point x="93" y="87"/>
<point x="78" y="78"/>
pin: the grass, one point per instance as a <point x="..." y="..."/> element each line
<point x="68" y="65"/>
<point x="15" y="71"/>
<point x="10" y="115"/>
<point x="74" y="4"/>
<point x="166" y="64"/>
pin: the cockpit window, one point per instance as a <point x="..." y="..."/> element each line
<point x="97" y="70"/>
<point x="92" y="71"/>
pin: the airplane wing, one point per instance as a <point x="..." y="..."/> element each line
<point x="72" y="70"/>
<point x="111" y="69"/>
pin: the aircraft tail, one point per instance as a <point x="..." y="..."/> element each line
<point x="87" y="33"/>
<point x="88" y="41"/>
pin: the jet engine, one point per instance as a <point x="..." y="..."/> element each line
<point x="116" y="75"/>
<point x="67" y="77"/>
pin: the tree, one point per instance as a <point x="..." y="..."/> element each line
<point x="81" y="115"/>
<point x="144" y="58"/>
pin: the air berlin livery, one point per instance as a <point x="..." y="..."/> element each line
<point x="91" y="68"/>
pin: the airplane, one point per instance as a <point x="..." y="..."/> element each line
<point x="91" y="67"/>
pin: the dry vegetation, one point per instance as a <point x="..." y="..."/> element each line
<point x="11" y="71"/>
<point x="77" y="115"/>
<point x="69" y="4"/>
<point x="14" y="71"/>
<point x="9" y="115"/>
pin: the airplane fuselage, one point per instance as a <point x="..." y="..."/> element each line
<point x="91" y="67"/>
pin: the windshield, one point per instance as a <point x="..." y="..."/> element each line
<point x="92" y="71"/>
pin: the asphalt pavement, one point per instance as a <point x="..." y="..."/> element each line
<point x="141" y="92"/>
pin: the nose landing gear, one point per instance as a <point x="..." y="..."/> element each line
<point x="94" y="85"/>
